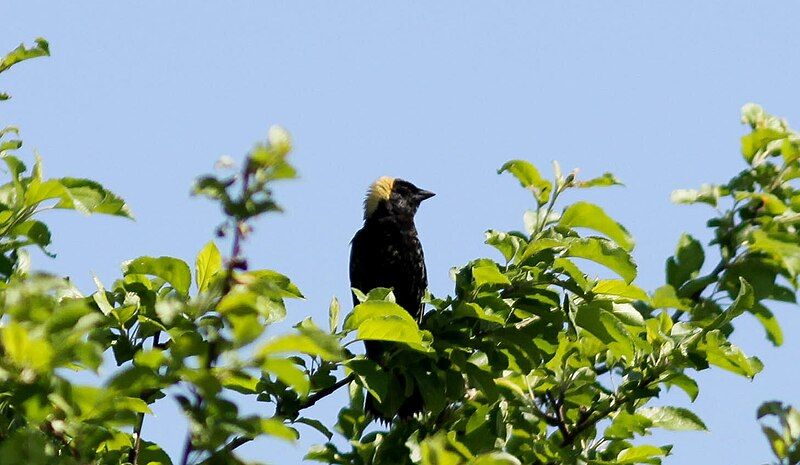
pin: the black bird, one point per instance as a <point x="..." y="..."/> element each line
<point x="386" y="252"/>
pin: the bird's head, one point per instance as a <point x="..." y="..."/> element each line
<point x="393" y="197"/>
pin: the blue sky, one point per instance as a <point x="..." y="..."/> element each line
<point x="146" y="96"/>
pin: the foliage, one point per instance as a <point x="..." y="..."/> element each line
<point x="530" y="360"/>
<point x="785" y="443"/>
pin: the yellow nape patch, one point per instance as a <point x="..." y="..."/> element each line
<point x="378" y="191"/>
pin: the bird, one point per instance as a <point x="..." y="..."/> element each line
<point x="386" y="252"/>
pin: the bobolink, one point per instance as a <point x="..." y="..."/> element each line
<point x="386" y="252"/>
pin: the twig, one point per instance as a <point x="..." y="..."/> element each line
<point x="314" y="398"/>
<point x="587" y="419"/>
<point x="133" y="455"/>
<point x="558" y="409"/>
<point x="311" y="400"/>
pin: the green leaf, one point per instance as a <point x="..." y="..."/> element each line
<point x="507" y="244"/>
<point x="495" y="458"/>
<point x="371" y="376"/>
<point x="776" y="442"/>
<point x="787" y="253"/>
<point x="707" y="193"/>
<point x="390" y="328"/>
<point x="625" y="425"/>
<point x="666" y="297"/>
<point x="483" y="381"/>
<point x="238" y="381"/>
<point x="433" y="451"/>
<point x="758" y="140"/>
<point x="12" y="144"/>
<point x="686" y="262"/>
<point x="432" y="393"/>
<point x="639" y="454"/>
<point x="673" y="418"/>
<point x="744" y="301"/>
<point x="619" y="288"/>
<point x="152" y="454"/>
<point x="317" y="425"/>
<point x="132" y="404"/>
<point x="289" y="374"/>
<point x="790" y="150"/>
<point x="301" y="343"/>
<point x="606" y="253"/>
<point x="36" y="231"/>
<point x="246" y="327"/>
<point x="89" y="196"/>
<point x="570" y="269"/>
<point x="152" y="359"/>
<point x="25" y="351"/>
<point x="174" y="271"/>
<point x="587" y="215"/>
<point x="243" y="301"/>
<point x="725" y="355"/>
<point x="529" y="177"/>
<point x="473" y="310"/>
<point x="770" y="324"/>
<point x="207" y="265"/>
<point x="485" y="275"/>
<point x="376" y="309"/>
<point x="606" y="180"/>
<point x="22" y="53"/>
<point x="588" y="317"/>
<point x="333" y="315"/>
<point x="273" y="427"/>
<point x="684" y="382"/>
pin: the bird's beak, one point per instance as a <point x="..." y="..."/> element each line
<point x="423" y="194"/>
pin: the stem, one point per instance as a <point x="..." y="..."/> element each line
<point x="558" y="409"/>
<point x="721" y="266"/>
<point x="588" y="419"/>
<point x="540" y="225"/>
<point x="133" y="456"/>
<point x="322" y="393"/>
<point x="311" y="400"/>
<point x="233" y="261"/>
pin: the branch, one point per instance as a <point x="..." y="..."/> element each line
<point x="558" y="409"/>
<point x="322" y="393"/>
<point x="311" y="400"/>
<point x="588" y="419"/>
<point x="133" y="455"/>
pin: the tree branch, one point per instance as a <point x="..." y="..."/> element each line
<point x="314" y="398"/>
<point x="311" y="400"/>
<point x="133" y="455"/>
<point x="558" y="410"/>
<point x="588" y="419"/>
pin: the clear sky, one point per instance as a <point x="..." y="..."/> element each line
<point x="144" y="96"/>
